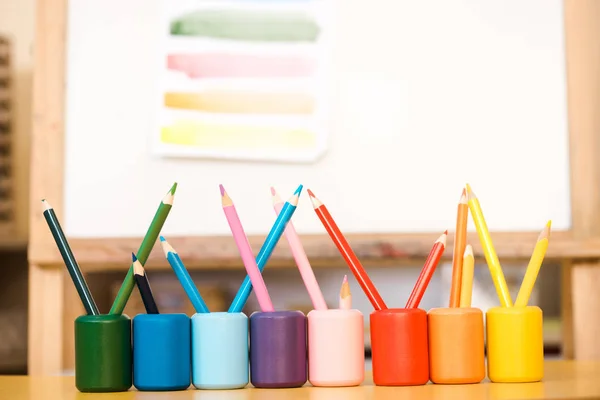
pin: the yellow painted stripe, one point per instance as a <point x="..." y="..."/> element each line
<point x="242" y="102"/>
<point x="198" y="134"/>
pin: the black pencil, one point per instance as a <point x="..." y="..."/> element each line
<point x="144" y="286"/>
<point x="65" y="250"/>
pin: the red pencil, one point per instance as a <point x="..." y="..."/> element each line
<point x="346" y="251"/>
<point x="427" y="272"/>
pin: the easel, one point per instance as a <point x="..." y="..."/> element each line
<point x="578" y="249"/>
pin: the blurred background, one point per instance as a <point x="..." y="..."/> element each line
<point x="17" y="25"/>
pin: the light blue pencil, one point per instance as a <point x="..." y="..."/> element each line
<point x="184" y="277"/>
<point x="238" y="303"/>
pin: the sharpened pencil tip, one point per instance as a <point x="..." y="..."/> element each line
<point x="273" y="192"/>
<point x="173" y="188"/>
<point x="222" y="189"/>
<point x="299" y="190"/>
<point x="310" y="193"/>
<point x="133" y="257"/>
<point x="46" y="205"/>
<point x="162" y="238"/>
<point x="345" y="279"/>
<point x="549" y="224"/>
<point x="446" y="232"/>
<point x="468" y="251"/>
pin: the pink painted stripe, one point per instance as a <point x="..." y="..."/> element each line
<point x="220" y="65"/>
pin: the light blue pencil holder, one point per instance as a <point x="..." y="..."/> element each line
<point x="161" y="352"/>
<point x="220" y="350"/>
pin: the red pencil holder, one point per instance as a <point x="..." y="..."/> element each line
<point x="399" y="347"/>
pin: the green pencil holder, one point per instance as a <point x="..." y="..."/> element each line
<point x="103" y="353"/>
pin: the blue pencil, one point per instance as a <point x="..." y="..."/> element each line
<point x="266" y="250"/>
<point x="184" y="277"/>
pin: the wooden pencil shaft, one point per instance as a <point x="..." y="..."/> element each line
<point x="351" y="259"/>
<point x="460" y="242"/>
<point x="426" y="273"/>
<point x="531" y="273"/>
<point x="466" y="288"/>
<point x="490" y="253"/>
<point x="71" y="263"/>
<point x="188" y="284"/>
<point x="146" y="293"/>
<point x="264" y="253"/>
<point x="142" y="254"/>
<point x="303" y="264"/>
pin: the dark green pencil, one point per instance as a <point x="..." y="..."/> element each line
<point x="69" y="259"/>
<point x="144" y="251"/>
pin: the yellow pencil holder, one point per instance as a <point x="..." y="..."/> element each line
<point x="515" y="344"/>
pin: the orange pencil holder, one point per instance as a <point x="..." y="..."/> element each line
<point x="399" y="347"/>
<point x="456" y="347"/>
<point x="515" y="344"/>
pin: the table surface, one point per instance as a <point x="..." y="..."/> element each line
<point x="563" y="380"/>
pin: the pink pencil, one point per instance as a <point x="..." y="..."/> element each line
<point x="308" y="276"/>
<point x="246" y="252"/>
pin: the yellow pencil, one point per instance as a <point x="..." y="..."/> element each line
<point x="535" y="262"/>
<point x="488" y="249"/>
<point x="466" y="284"/>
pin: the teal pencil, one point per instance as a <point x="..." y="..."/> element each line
<point x="267" y="249"/>
<point x="184" y="277"/>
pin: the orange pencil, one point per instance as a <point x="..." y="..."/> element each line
<point x="427" y="272"/>
<point x="344" y="248"/>
<point x="460" y="243"/>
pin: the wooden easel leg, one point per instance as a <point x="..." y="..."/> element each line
<point x="586" y="308"/>
<point x="45" y="321"/>
<point x="567" y="311"/>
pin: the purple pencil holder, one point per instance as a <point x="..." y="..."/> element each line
<point x="278" y="349"/>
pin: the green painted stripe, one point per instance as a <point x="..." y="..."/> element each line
<point x="247" y="26"/>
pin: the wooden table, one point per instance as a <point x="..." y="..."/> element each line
<point x="564" y="380"/>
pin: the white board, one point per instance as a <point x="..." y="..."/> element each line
<point x="426" y="96"/>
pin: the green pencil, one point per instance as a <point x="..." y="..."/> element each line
<point x="69" y="259"/>
<point x="144" y="251"/>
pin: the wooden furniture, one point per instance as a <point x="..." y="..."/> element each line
<point x="577" y="250"/>
<point x="7" y="212"/>
<point x="564" y="380"/>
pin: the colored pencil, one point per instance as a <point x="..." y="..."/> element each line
<point x="460" y="241"/>
<point x="345" y="295"/>
<point x="144" y="251"/>
<point x="184" y="277"/>
<point x="144" y="286"/>
<point x="535" y="262"/>
<point x="306" y="271"/>
<point x="488" y="249"/>
<point x="466" y="287"/>
<point x="346" y="251"/>
<point x="241" y="241"/>
<point x="267" y="249"/>
<point x="67" y="255"/>
<point x="427" y="272"/>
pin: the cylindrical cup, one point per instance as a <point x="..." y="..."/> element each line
<point x="515" y="344"/>
<point x="336" y="347"/>
<point x="278" y="349"/>
<point x="399" y="348"/>
<point x="161" y="352"/>
<point x="103" y="353"/>
<point x="220" y="350"/>
<point x="456" y="348"/>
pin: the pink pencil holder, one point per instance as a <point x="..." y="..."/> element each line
<point x="336" y="348"/>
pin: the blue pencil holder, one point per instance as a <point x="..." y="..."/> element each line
<point x="220" y="350"/>
<point x="161" y="352"/>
